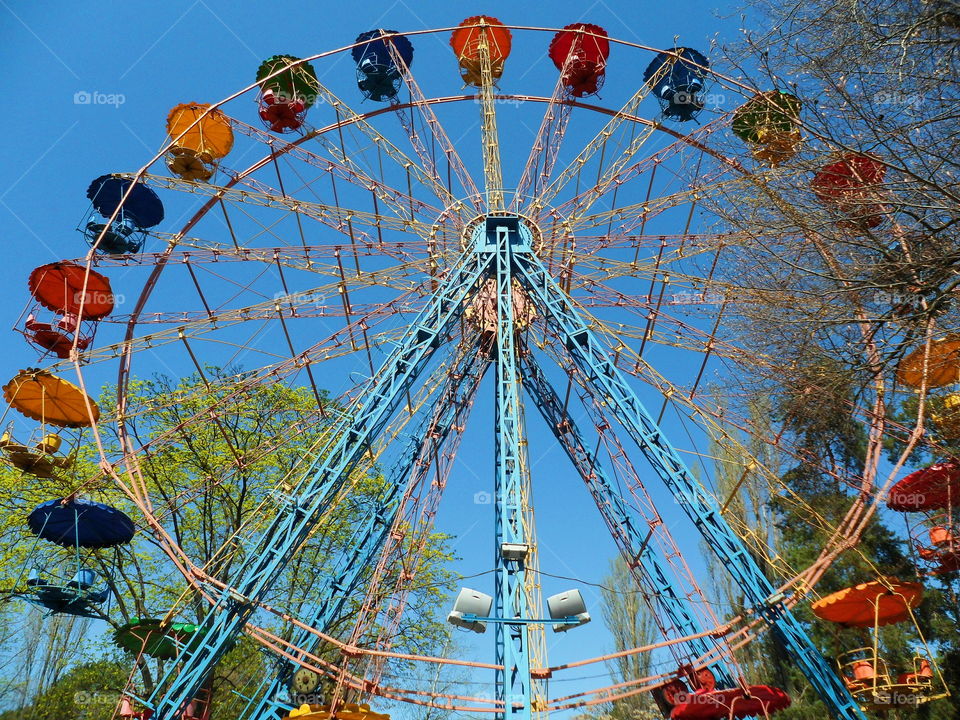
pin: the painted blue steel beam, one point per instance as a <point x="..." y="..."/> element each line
<point x="630" y="530"/>
<point x="349" y="439"/>
<point x="409" y="470"/>
<point x="507" y="237"/>
<point x="593" y="361"/>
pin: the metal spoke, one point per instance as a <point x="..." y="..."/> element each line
<point x="344" y="167"/>
<point x="333" y="216"/>
<point x="546" y="146"/>
<point x="203" y="251"/>
<point x="492" y="169"/>
<point x="418" y="101"/>
<point x="347" y="115"/>
<point x="598" y="144"/>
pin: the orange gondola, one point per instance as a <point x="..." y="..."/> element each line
<point x="41" y="395"/>
<point x="865" y="671"/>
<point x="201" y="136"/>
<point x="870" y="604"/>
<point x="467" y="41"/>
<point x="942" y="364"/>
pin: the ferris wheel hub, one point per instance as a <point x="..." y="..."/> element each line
<point x="492" y="233"/>
<point x="482" y="233"/>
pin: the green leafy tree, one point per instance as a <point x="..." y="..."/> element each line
<point x="87" y="691"/>
<point x="631" y="624"/>
<point x="215" y="453"/>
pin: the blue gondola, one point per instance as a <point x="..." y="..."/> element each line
<point x="78" y="596"/>
<point x="679" y="88"/>
<point x="69" y="587"/>
<point x="82" y="523"/>
<point x="378" y="76"/>
<point x="142" y="209"/>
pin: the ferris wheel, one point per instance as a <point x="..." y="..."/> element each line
<point x="396" y="255"/>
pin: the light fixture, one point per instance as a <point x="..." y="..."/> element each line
<point x="471" y="610"/>
<point x="514" y="551"/>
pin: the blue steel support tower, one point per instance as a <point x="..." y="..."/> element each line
<point x="625" y="523"/>
<point x="505" y="236"/>
<point x="502" y="249"/>
<point x="295" y="518"/>
<point x="410" y="469"/>
<point x="592" y="358"/>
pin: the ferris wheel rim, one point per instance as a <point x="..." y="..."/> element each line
<point x="288" y="146"/>
<point x="128" y="353"/>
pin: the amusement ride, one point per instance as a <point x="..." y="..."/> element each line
<point x="302" y="232"/>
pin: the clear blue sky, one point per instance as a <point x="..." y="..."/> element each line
<point x="142" y="58"/>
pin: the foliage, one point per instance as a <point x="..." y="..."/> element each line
<point x="215" y="453"/>
<point x="832" y="302"/>
<point x="631" y="624"/>
<point x="88" y="691"/>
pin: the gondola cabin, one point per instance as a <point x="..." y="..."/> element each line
<point x="68" y="300"/>
<point x="580" y="53"/>
<point x="850" y="187"/>
<point x="288" y="88"/>
<point x="678" y="81"/>
<point x="134" y="207"/>
<point x="64" y="583"/>
<point x="769" y="123"/>
<point x="868" y="670"/>
<point x="481" y="45"/>
<point x="200" y="137"/>
<point x="381" y="57"/>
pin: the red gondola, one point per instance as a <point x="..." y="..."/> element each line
<point x="849" y="186"/>
<point x="758" y="700"/>
<point x="79" y="296"/>
<point x="931" y="488"/>
<point x="580" y="52"/>
<point x="934" y="492"/>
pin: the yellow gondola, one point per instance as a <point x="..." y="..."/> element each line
<point x="41" y="395"/>
<point x="943" y="364"/>
<point x="206" y="138"/>
<point x="349" y="711"/>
